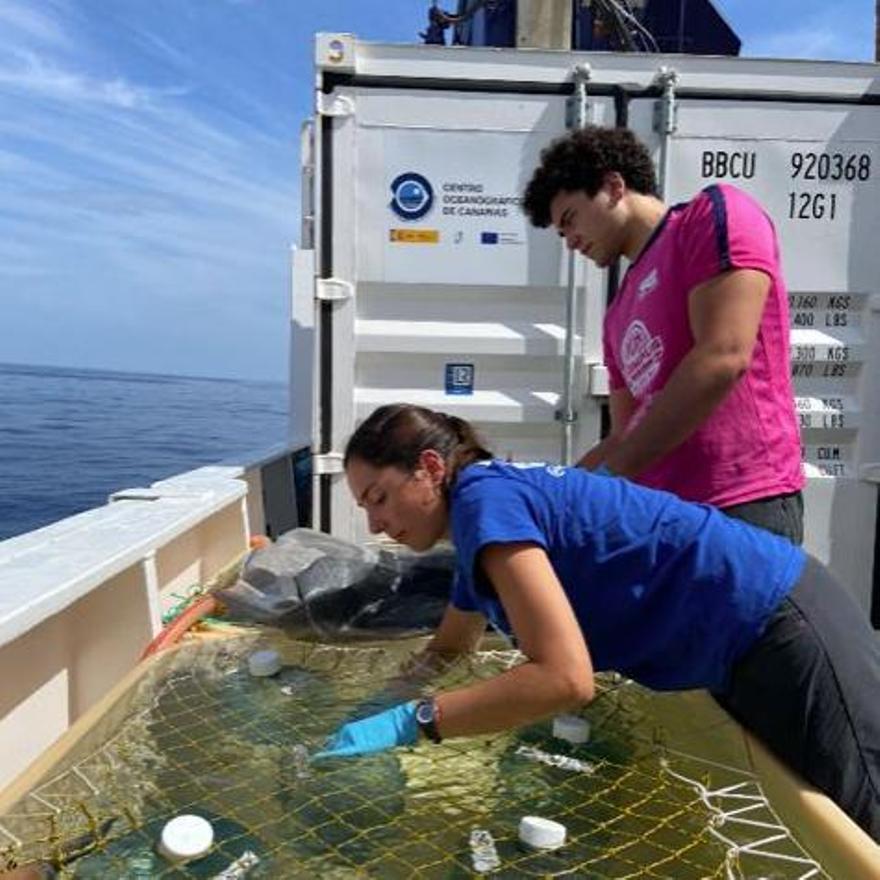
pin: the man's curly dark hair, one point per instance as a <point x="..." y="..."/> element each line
<point x="580" y="161"/>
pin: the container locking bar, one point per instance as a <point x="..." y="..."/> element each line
<point x="334" y="105"/>
<point x="665" y="122"/>
<point x="577" y="116"/>
<point x="327" y="463"/>
<point x="333" y="290"/>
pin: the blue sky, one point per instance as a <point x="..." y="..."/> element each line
<point x="149" y="168"/>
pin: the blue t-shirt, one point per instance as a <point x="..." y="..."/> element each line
<point x="667" y="592"/>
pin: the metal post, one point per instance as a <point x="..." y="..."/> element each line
<point x="577" y="117"/>
<point x="543" y="24"/>
<point x="877" y="31"/>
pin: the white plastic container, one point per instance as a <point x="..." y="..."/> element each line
<point x="571" y="728"/>
<point x="262" y="664"/>
<point x="185" y="838"/>
<point x="536" y="832"/>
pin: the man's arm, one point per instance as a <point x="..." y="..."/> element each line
<point x="725" y="315"/>
<point x="622" y="405"/>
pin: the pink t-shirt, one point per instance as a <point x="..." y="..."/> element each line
<point x="749" y="447"/>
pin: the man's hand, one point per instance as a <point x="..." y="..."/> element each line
<point x="622" y="405"/>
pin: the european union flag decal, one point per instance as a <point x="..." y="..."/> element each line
<point x="488" y="238"/>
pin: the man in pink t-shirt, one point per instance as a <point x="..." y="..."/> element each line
<point x="696" y="338"/>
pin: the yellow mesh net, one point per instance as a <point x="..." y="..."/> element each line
<point x="655" y="792"/>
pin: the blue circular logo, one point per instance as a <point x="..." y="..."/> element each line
<point x="411" y="196"/>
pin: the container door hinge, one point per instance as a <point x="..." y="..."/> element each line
<point x="334" y="105"/>
<point x="577" y="105"/>
<point x="327" y="463"/>
<point x="333" y="290"/>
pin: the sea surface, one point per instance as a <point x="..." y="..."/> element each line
<point x="68" y="437"/>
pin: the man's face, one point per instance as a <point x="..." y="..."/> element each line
<point x="410" y="508"/>
<point x="592" y="226"/>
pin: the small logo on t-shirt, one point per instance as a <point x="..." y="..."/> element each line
<point x="648" y="283"/>
<point x="641" y="356"/>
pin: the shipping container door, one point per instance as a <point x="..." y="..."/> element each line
<point x="437" y="290"/>
<point x="815" y="166"/>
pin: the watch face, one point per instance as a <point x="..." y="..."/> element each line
<point x="425" y="712"/>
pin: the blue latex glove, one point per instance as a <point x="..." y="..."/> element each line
<point x="393" y="727"/>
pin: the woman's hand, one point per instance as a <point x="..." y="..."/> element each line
<point x="393" y="727"/>
<point x="558" y="675"/>
<point x="422" y="666"/>
<point x="459" y="633"/>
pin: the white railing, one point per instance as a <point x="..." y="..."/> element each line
<point x="80" y="599"/>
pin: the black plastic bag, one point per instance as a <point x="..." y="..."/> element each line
<point x="307" y="580"/>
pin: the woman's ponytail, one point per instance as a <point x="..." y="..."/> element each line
<point x="397" y="434"/>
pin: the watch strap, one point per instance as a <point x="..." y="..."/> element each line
<point x="427" y="716"/>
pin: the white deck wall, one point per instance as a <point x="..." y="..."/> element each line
<point x="81" y="599"/>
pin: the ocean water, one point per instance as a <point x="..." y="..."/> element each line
<point x="68" y="438"/>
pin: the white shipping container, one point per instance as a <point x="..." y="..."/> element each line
<point x="420" y="279"/>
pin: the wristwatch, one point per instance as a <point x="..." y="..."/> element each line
<point x="427" y="716"/>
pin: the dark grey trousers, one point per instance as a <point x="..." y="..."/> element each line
<point x="781" y="514"/>
<point x="809" y="689"/>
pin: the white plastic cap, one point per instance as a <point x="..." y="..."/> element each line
<point x="186" y="837"/>
<point x="263" y="663"/>
<point x="571" y="728"/>
<point x="541" y="833"/>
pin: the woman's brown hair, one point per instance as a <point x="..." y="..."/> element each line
<point x="397" y="433"/>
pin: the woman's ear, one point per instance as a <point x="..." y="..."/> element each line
<point x="434" y="465"/>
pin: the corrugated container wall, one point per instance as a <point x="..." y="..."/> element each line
<point x="427" y="284"/>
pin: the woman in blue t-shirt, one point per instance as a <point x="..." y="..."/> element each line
<point x="591" y="572"/>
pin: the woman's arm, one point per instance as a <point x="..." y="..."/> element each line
<point x="559" y="672"/>
<point x="557" y="676"/>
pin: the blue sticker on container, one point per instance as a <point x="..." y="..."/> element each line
<point x="488" y="238"/>
<point x="411" y="196"/>
<point x="459" y="378"/>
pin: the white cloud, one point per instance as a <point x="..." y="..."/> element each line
<point x="27" y="22"/>
<point x="134" y="175"/>
<point x="149" y="180"/>
<point x="35" y="75"/>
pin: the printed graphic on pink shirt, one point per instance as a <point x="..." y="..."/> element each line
<point x="641" y="356"/>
